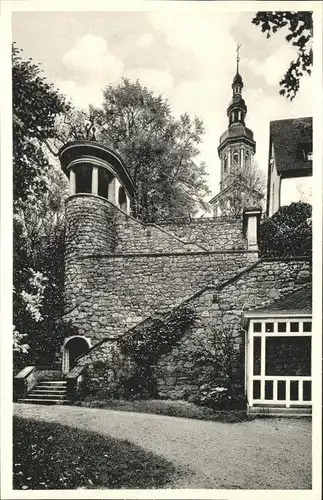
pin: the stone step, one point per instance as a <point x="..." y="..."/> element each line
<point x="47" y="393"/>
<point x="49" y="388"/>
<point x="43" y="401"/>
<point x="54" y="392"/>
<point x="53" y="382"/>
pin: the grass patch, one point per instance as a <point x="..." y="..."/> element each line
<point x="182" y="409"/>
<point x="54" y="456"/>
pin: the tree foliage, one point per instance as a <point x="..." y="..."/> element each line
<point x="245" y="189"/>
<point x="288" y="233"/>
<point x="160" y="152"/>
<point x="38" y="224"/>
<point x="36" y="104"/>
<point x="300" y="33"/>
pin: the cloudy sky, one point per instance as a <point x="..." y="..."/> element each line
<point x="189" y="57"/>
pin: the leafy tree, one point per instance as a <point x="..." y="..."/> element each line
<point x="161" y="152"/>
<point x="288" y="232"/>
<point x="300" y="33"/>
<point x="246" y="189"/>
<point x="36" y="104"/>
<point x="37" y="200"/>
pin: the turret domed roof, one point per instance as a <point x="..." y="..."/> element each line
<point x="237" y="80"/>
<point x="236" y="130"/>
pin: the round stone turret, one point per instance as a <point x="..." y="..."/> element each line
<point x="99" y="182"/>
<point x="97" y="170"/>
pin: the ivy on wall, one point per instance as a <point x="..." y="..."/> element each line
<point x="146" y="342"/>
<point x="156" y="336"/>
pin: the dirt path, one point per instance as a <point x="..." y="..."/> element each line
<point x="261" y="454"/>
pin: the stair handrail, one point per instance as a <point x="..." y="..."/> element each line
<point x="74" y="382"/>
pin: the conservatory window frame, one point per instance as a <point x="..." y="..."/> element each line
<point x="275" y="379"/>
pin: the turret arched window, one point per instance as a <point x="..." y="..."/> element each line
<point x="225" y="164"/>
<point x="235" y="158"/>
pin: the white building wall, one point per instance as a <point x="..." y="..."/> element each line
<point x="296" y="189"/>
<point x="274" y="190"/>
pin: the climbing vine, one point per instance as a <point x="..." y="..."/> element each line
<point x="156" y="336"/>
<point x="146" y="342"/>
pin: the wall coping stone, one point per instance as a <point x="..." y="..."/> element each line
<point x="199" y="220"/>
<point x="165" y="254"/>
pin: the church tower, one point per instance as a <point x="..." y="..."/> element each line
<point x="236" y="149"/>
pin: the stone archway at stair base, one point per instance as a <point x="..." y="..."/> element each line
<point x="72" y="348"/>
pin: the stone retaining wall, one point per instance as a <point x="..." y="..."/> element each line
<point x="214" y="233"/>
<point x="217" y="308"/>
<point x="114" y="293"/>
<point x="118" y="272"/>
<point x="222" y="308"/>
<point x="136" y="237"/>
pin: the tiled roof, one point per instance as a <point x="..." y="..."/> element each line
<point x="299" y="302"/>
<point x="288" y="138"/>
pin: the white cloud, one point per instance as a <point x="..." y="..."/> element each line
<point x="91" y="60"/>
<point x="81" y="95"/>
<point x="274" y="67"/>
<point x="208" y="41"/>
<point x="93" y="67"/>
<point x="157" y="81"/>
<point x="195" y="32"/>
<point x="144" y="41"/>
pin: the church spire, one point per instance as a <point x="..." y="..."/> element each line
<point x="237" y="109"/>
<point x="237" y="84"/>
<point x="236" y="149"/>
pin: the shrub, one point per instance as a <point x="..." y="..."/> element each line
<point x="288" y="233"/>
<point x="218" y="397"/>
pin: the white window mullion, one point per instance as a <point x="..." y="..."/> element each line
<point x="275" y="384"/>
<point x="287" y="393"/>
<point x="300" y="390"/>
<point x="250" y="368"/>
<point x="262" y="367"/>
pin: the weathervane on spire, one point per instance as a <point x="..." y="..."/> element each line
<point x="238" y="58"/>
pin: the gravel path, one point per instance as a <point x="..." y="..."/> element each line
<point x="260" y="454"/>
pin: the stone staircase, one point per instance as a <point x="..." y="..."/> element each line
<point x="47" y="393"/>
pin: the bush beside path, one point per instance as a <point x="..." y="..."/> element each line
<point x="260" y="454"/>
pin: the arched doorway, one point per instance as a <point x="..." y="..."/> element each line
<point x="73" y="348"/>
